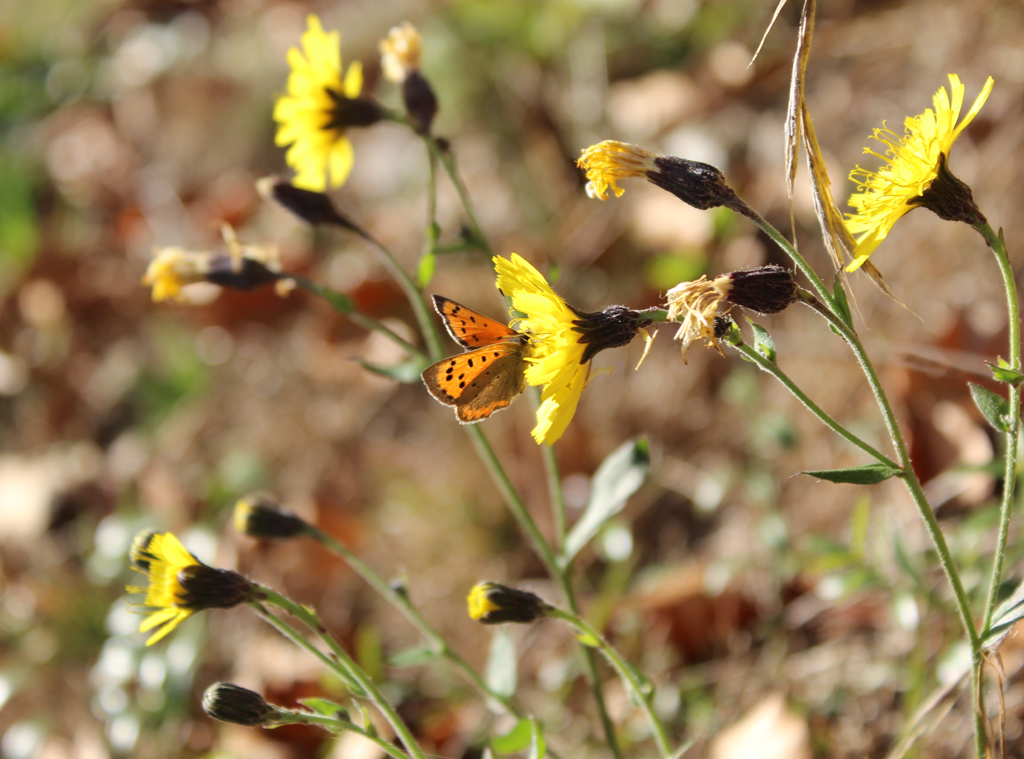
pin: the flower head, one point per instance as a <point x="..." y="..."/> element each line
<point x="322" y="102"/>
<point x="400" y="52"/>
<point x="561" y="341"/>
<point x="609" y="161"/>
<point x="914" y="162"/>
<point x="240" y="706"/>
<point x="698" y="184"/>
<point x="700" y="305"/>
<point x="243" y="267"/>
<point x="180" y="584"/>
<point x="260" y="517"/>
<point x="492" y="604"/>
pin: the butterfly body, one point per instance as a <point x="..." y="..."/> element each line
<point x="488" y="376"/>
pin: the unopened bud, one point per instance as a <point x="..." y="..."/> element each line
<point x="491" y="604"/>
<point x="238" y="705"/>
<point x="259" y="516"/>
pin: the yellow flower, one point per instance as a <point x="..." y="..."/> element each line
<point x="554" y="352"/>
<point x="321" y="103"/>
<point x="180" y="584"/>
<point x="913" y="164"/>
<point x="561" y="341"/>
<point x="173" y="268"/>
<point x="608" y="161"/>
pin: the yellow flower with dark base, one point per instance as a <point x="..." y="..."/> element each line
<point x="322" y="102"/>
<point x="914" y="162"/>
<point x="180" y="584"/>
<point x="493" y="604"/>
<point x="561" y="341"/>
<point x="700" y="185"/>
<point x="246" y="268"/>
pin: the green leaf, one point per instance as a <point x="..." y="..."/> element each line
<point x="339" y="301"/>
<point x="1004" y="373"/>
<point x="763" y="342"/>
<point x="425" y="270"/>
<point x="413" y="657"/>
<point x="1009" y="613"/>
<point x="869" y="474"/>
<point x="537" y="745"/>
<point x="326" y="708"/>
<point x="501" y="674"/>
<point x="681" y="751"/>
<point x="842" y="305"/>
<point x="407" y="372"/>
<point x="619" y="476"/>
<point x="993" y="407"/>
<point x="516" y="739"/>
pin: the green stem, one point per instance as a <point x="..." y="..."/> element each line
<point x="414" y="295"/>
<point x="555" y="493"/>
<point x="309" y="618"/>
<point x="293" y="717"/>
<point x="346" y="307"/>
<point x="913" y="485"/>
<point x="624" y="671"/>
<point x="447" y="159"/>
<point x="773" y="369"/>
<point x="800" y="261"/>
<point x="1010" y="471"/>
<point x="402" y="602"/>
<point x="547" y="557"/>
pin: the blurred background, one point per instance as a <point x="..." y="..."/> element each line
<point x="774" y="613"/>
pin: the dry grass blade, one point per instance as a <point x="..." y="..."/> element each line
<point x="838" y="239"/>
<point x="794" y="113"/>
<point x="928" y="715"/>
<point x="775" y="17"/>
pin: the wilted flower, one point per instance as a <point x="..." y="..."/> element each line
<point x="908" y="180"/>
<point x="180" y="584"/>
<point x="400" y="60"/>
<point x="493" y="604"/>
<point x="320" y="106"/>
<point x="698" y="304"/>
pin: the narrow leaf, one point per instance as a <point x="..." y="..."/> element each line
<point x="869" y="474"/>
<point x="995" y="408"/>
<point x="1009" y="613"/>
<point x="516" y="739"/>
<point x="501" y="673"/>
<point x="325" y="708"/>
<point x="407" y="372"/>
<point x="619" y="476"/>
<point x="1004" y="373"/>
<point x="413" y="657"/>
<point x="763" y="342"/>
<point x="840" y="302"/>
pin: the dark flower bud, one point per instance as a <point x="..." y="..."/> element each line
<point x="258" y="516"/>
<point x="205" y="587"/>
<point x="492" y="604"/>
<point x="949" y="198"/>
<point x="613" y="327"/>
<point x="764" y="290"/>
<point x="314" y="208"/>
<point x="420" y="101"/>
<point x="237" y="705"/>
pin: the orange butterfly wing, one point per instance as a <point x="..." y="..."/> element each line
<point x="478" y="383"/>
<point x="470" y="329"/>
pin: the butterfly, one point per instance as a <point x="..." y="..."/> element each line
<point x="488" y="376"/>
